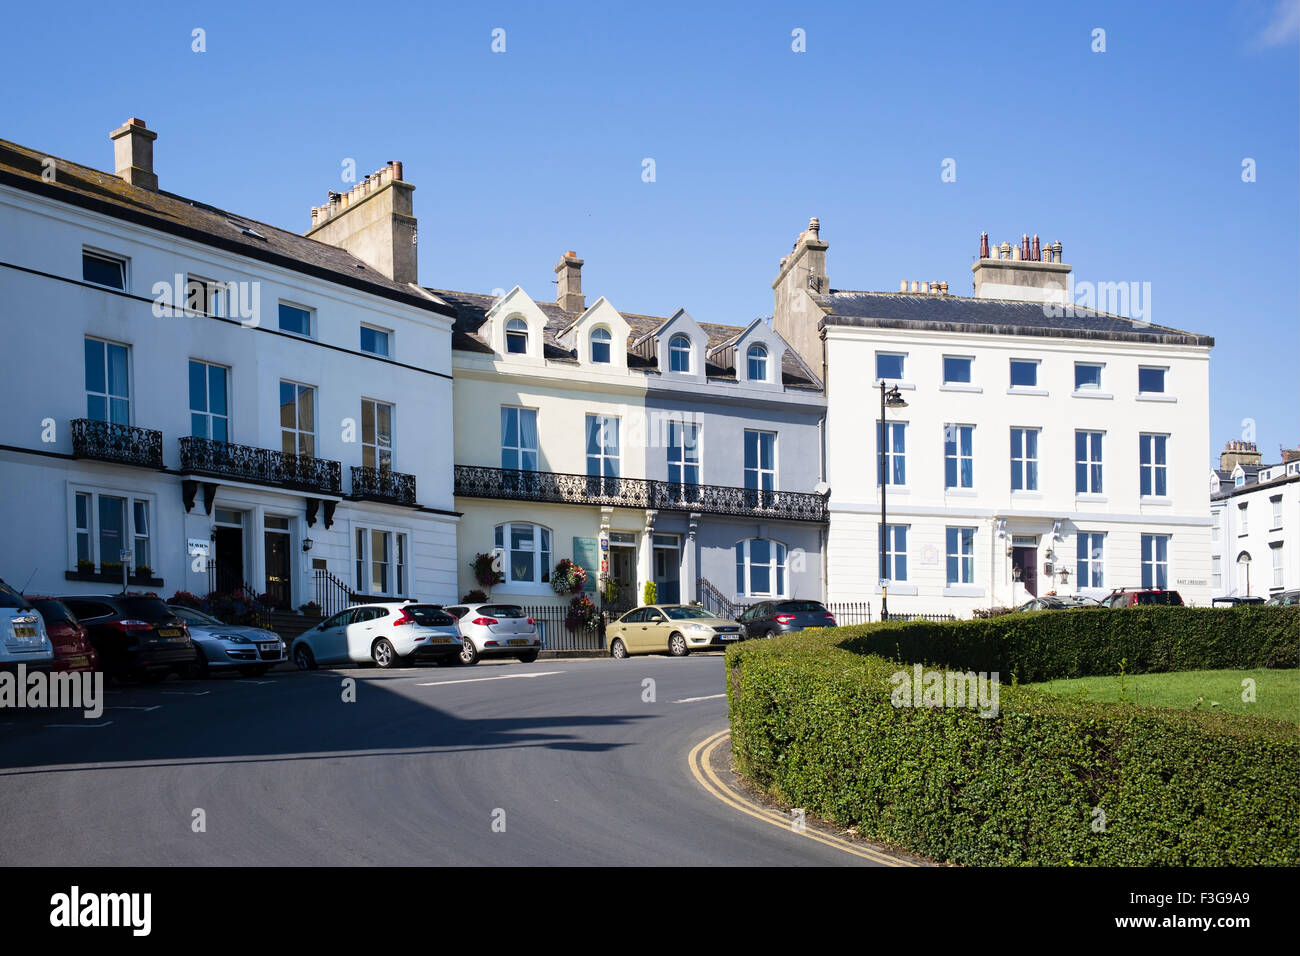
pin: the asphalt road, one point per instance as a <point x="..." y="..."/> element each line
<point x="556" y="762"/>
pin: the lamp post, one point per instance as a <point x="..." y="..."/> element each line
<point x="889" y="398"/>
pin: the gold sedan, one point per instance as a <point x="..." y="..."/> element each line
<point x="676" y="629"/>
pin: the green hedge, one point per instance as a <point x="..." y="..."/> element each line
<point x="814" y="725"/>
<point x="1057" y="645"/>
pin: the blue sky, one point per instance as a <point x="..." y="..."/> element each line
<point x="1131" y="157"/>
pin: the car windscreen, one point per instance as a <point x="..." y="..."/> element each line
<point x="194" y="617"/>
<point x="501" y="610"/>
<point x="1160" y="597"/>
<point x="11" y="598"/>
<point x="149" y="609"/>
<point x="802" y="607"/>
<point x="429" y="616"/>
<point x="55" y="612"/>
<point x="686" y="613"/>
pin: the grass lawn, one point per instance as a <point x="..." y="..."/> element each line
<point x="1277" y="692"/>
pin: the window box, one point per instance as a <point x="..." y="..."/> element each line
<point x="112" y="577"/>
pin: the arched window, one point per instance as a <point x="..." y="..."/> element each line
<point x="525" y="551"/>
<point x="600" y="340"/>
<point x="757" y="356"/>
<point x="517" y="336"/>
<point x="760" y="568"/>
<point x="679" y="354"/>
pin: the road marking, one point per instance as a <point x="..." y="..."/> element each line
<point x="702" y="769"/>
<point x="691" y="700"/>
<point x="476" y="680"/>
<point x="259" y="683"/>
<point x="187" y="693"/>
<point x="146" y="709"/>
<point x="87" y="725"/>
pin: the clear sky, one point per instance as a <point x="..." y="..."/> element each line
<point x="1131" y="157"/>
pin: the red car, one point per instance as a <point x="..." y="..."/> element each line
<point x="72" y="648"/>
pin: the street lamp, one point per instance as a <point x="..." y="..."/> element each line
<point x="889" y="398"/>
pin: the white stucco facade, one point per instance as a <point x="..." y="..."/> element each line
<point x="1255" y="532"/>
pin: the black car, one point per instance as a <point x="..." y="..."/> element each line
<point x="783" y="617"/>
<point x="135" y="635"/>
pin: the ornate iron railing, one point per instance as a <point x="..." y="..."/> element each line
<point x="203" y="456"/>
<point x="383" y="485"/>
<point x="125" y="444"/>
<point x="332" y="595"/>
<point x="473" y="481"/>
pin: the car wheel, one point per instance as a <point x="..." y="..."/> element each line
<point x="769" y="634"/>
<point x="677" y="646"/>
<point x="528" y="658"/>
<point x="468" y="652"/>
<point x="303" y="657"/>
<point x="257" y="670"/>
<point x="618" y="649"/>
<point x="199" y="669"/>
<point x="383" y="654"/>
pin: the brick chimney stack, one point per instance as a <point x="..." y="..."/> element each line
<point x="133" y="153"/>
<point x="374" y="221"/>
<point x="568" y="289"/>
<point x="1239" y="452"/>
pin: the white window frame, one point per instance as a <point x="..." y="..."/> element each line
<point x="212" y="296"/>
<point x="889" y="454"/>
<point x="363" y="562"/>
<point x="674" y="350"/>
<point x="123" y="263"/>
<point x="377" y="448"/>
<point x="902" y="370"/>
<point x="970" y="369"/>
<point x="1099" y="462"/>
<point x="1276" y="502"/>
<point x="1164" y="379"/>
<point x="130" y="533"/>
<point x="107" y="395"/>
<point x="758" y="471"/>
<point x="958" y="455"/>
<point x="1038" y="367"/>
<point x="297" y="431"/>
<point x="1090" y="559"/>
<point x="965" y="556"/>
<point x="1216" y="526"/>
<point x="1158" y="471"/>
<point x="602" y="428"/>
<point x="209" y="415"/>
<point x="388" y="333"/>
<point x="1101" y="372"/>
<point x="607" y="341"/>
<point x="1216" y="572"/>
<point x="311" y="319"/>
<point x="542" y="557"/>
<point x="519" y="448"/>
<point x="1279" y="578"/>
<point x="763" y="356"/>
<point x="778" y="571"/>
<point x="1021" y="463"/>
<point x="893" y="552"/>
<point x="1155" y="563"/>
<point x="512" y="329"/>
<point x="683" y="454"/>
<point x="1243" y="519"/>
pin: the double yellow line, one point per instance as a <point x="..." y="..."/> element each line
<point x="700" y="761"/>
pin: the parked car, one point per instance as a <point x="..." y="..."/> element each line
<point x="135" y="635"/>
<point x="221" y="646"/>
<point x="495" y="630"/>
<point x="73" y="651"/>
<point x="676" y="629"/>
<point x="1142" y="598"/>
<point x="1285" y="599"/>
<point x="783" y="617"/>
<point x="1059" y="602"/>
<point x="22" y="633"/>
<point x="1235" y="601"/>
<point x="390" y="634"/>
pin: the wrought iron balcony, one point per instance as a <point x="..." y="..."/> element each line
<point x="262" y="466"/>
<point x="473" y="481"/>
<point x="124" y="444"/>
<point x="376" y="484"/>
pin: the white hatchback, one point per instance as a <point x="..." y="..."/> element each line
<point x="496" y="630"/>
<point x="389" y="634"/>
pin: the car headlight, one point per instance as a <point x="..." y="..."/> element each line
<point x="234" y="638"/>
<point x="700" y="628"/>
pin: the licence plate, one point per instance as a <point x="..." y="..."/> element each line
<point x="78" y="661"/>
<point x="23" y="630"/>
<point x="168" y="632"/>
<point x="729" y="637"/>
<point x="440" y="640"/>
<point x="269" y="647"/>
<point x="516" y="643"/>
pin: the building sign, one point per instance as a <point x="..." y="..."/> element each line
<point x="1192" y="582"/>
<point x="199" y="547"/>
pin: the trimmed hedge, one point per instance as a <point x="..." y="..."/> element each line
<point x="813" y="723"/>
<point x="1057" y="645"/>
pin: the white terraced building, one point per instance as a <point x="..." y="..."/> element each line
<point x="1255" y="535"/>
<point x="1041" y="449"/>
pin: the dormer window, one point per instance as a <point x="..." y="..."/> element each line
<point x="757" y="360"/>
<point x="600" y="346"/>
<point x="679" y="354"/>
<point x="517" y="337"/>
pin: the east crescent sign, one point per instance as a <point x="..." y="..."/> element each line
<point x="1192" y="582"/>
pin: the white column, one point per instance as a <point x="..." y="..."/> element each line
<point x="689" y="563"/>
<point x="645" y="556"/>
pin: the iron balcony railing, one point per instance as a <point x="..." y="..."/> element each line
<point x="473" y="481"/>
<point x="375" y="484"/>
<point x="124" y="444"/>
<point x="203" y="456"/>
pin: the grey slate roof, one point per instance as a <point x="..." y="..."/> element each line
<point x="952" y="313"/>
<point x="1252" y="484"/>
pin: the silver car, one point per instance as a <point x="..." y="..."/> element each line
<point x="252" y="650"/>
<point x="22" y="634"/>
<point x="495" y="630"/>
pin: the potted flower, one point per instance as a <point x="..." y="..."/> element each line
<point x="474" y="597"/>
<point x="143" y="571"/>
<point x="85" y="567"/>
<point x="311" y="609"/>
<point x="582" y="613"/>
<point x="568" y="577"/>
<point x="186" y="599"/>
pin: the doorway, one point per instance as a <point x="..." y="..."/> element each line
<point x="227" y="564"/>
<point x="279" y="566"/>
<point x="1024" y="557"/>
<point x="622" y="571"/>
<point x="667" y="568"/>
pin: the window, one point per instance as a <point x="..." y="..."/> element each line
<point x="1276" y="502"/>
<point x="105" y="525"/>
<point x="956" y="370"/>
<point x="1090" y="554"/>
<point x="1155" y="561"/>
<point x="140" y="533"/>
<point x="382" y="562"/>
<point x="600" y="346"/>
<point x="376" y="435"/>
<point x="108" y="390"/>
<point x="207" y="296"/>
<point x="1216" y="572"/>
<point x="375" y="341"/>
<point x="297" y="419"/>
<point x="1087" y="463"/>
<point x="893" y="459"/>
<point x="760" y="568"/>
<point x="1024" y="459"/>
<point x="1153" y="468"/>
<point x="82" y="529"/>
<point x="602" y="446"/>
<point x="961" y="556"/>
<point x="519" y="438"/>
<point x="1239" y="481"/>
<point x="684" y="453"/>
<point x="295" y="320"/>
<point x="1243" y="522"/>
<point x="517" y="337"/>
<point x="889" y="365"/>
<point x="760" y="460"/>
<point x="757" y="360"/>
<point x="1216" y="529"/>
<point x="1276" y="550"/>
<point x="526" y="551"/>
<point x="958" y="456"/>
<point x="209" y="403"/>
<point x="679" y="354"/>
<point x="1086" y="376"/>
<point x="103" y="270"/>
<point x="1024" y="373"/>
<point x="895" y="554"/>
<point x="1151" y="380"/>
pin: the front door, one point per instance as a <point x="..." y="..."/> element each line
<point x="622" y="568"/>
<point x="228" y="551"/>
<point x="279" y="572"/>
<point x="1026" y="559"/>
<point x="667" y="568"/>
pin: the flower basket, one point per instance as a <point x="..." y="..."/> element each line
<point x="568" y="577"/>
<point x="582" y="614"/>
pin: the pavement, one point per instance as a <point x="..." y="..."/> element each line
<point x="579" y="761"/>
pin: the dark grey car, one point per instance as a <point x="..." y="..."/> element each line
<point x="783" y="617"/>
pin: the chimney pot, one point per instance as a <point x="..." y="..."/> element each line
<point x="925" y="288"/>
<point x="902" y="286"/>
<point x="984" y="245"/>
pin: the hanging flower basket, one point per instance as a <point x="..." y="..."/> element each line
<point x="568" y="578"/>
<point x="582" y="614"/>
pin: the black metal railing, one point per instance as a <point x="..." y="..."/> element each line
<point x="380" y="484"/>
<point x="332" y="595"/>
<point x="203" y="456"/>
<point x="124" y="444"/>
<point x="555" y="634"/>
<point x="474" y="481"/>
